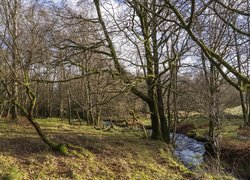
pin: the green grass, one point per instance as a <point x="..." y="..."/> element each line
<point x="108" y="154"/>
<point x="237" y="111"/>
<point x="115" y="154"/>
<point x="235" y="139"/>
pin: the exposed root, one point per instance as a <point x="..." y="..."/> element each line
<point x="72" y="150"/>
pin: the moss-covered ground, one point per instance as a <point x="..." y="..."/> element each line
<point x="114" y="154"/>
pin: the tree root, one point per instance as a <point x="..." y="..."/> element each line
<point x="71" y="150"/>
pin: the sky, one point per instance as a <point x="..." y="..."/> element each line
<point x="73" y="2"/>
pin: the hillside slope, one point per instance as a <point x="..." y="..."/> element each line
<point x="114" y="154"/>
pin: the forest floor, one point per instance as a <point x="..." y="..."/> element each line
<point x="234" y="138"/>
<point x="114" y="154"/>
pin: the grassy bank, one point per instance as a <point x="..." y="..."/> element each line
<point x="235" y="140"/>
<point x="114" y="154"/>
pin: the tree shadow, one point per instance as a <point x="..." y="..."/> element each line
<point x="29" y="143"/>
<point x="21" y="146"/>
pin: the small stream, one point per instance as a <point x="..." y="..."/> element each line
<point x="189" y="151"/>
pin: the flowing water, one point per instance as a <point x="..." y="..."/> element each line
<point x="189" y="151"/>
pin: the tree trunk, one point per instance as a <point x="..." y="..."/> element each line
<point x="160" y="105"/>
<point x="48" y="112"/>
<point x="14" y="54"/>
<point x="154" y="116"/>
<point x="165" y="127"/>
<point x="98" y="115"/>
<point x="29" y="114"/>
<point x="37" y="106"/>
<point x="244" y="101"/>
<point x="248" y="68"/>
<point x="61" y="110"/>
<point x="13" y="110"/>
<point x="174" y="82"/>
<point x="212" y="90"/>
<point x="214" y="120"/>
<point x="169" y="113"/>
<point x="69" y="106"/>
<point x="248" y="108"/>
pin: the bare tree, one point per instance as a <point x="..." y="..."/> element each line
<point x="150" y="37"/>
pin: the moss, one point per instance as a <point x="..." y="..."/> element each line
<point x="96" y="154"/>
<point x="208" y="176"/>
<point x="14" y="174"/>
<point x="63" y="149"/>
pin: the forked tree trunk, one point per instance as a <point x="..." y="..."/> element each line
<point x="29" y="115"/>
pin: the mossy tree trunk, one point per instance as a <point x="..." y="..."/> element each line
<point x="29" y="115"/>
<point x="69" y="106"/>
<point x="247" y="109"/>
<point x="165" y="133"/>
<point x="248" y="72"/>
<point x="244" y="96"/>
<point x="151" y="46"/>
<point x="13" y="109"/>
<point x="12" y="24"/>
<point x="165" y="125"/>
<point x="155" y="121"/>
<point x="152" y="70"/>
<point x="212" y="90"/>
